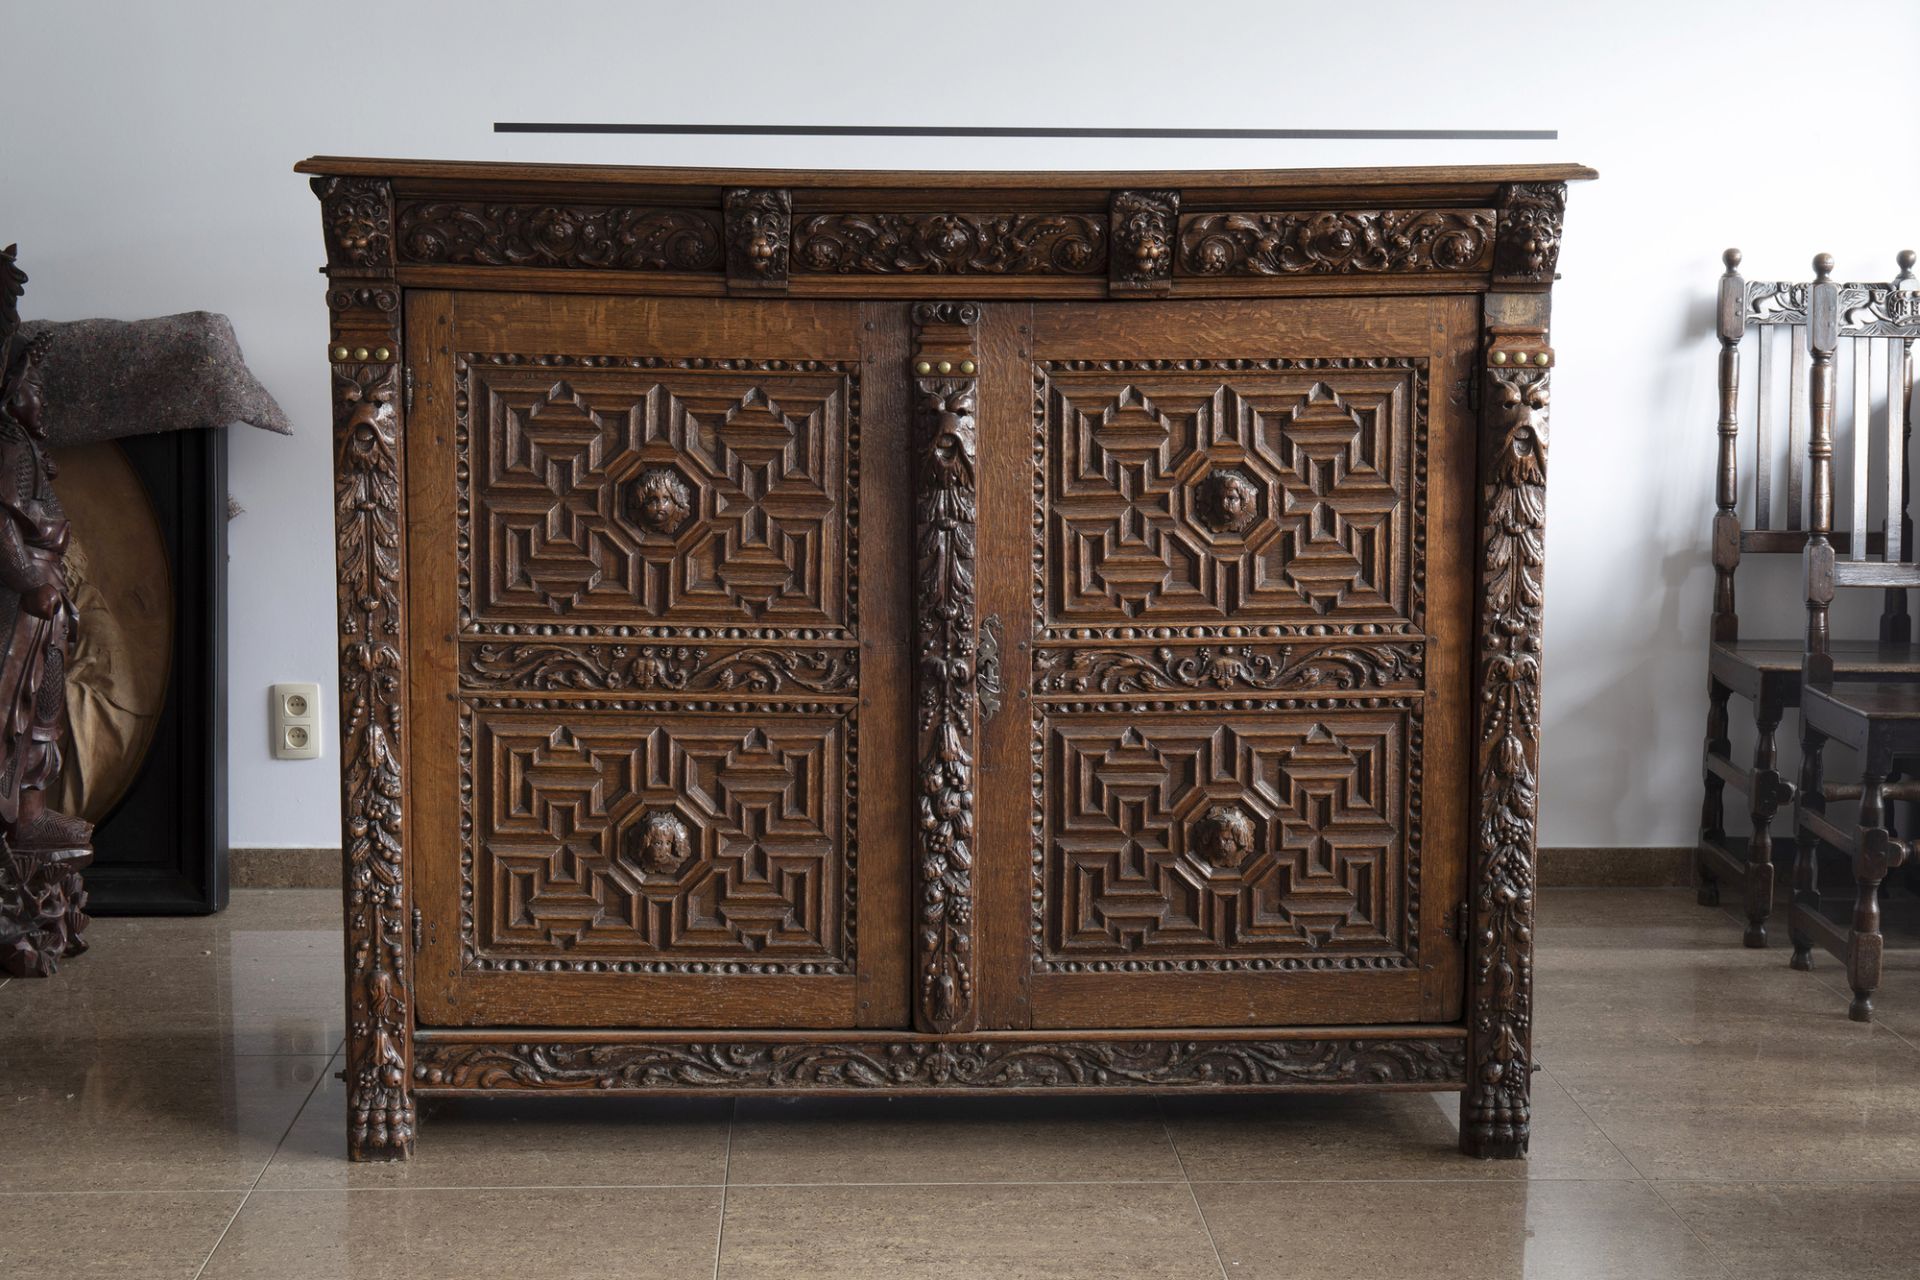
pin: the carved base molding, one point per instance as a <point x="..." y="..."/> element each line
<point x="906" y="1063"/>
<point x="43" y="909"/>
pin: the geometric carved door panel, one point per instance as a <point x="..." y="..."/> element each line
<point x="642" y="757"/>
<point x="618" y="494"/>
<point x="1276" y="840"/>
<point x="697" y="840"/>
<point x="1269" y="491"/>
<point x="1244" y="660"/>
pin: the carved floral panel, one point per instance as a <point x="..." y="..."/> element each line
<point x="1245" y="492"/>
<point x="651" y="840"/>
<point x="663" y="497"/>
<point x="1283" y="838"/>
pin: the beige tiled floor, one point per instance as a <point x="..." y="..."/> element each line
<point x="168" y="1111"/>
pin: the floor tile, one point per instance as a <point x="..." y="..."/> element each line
<point x="1141" y="1231"/>
<point x="1449" y="1230"/>
<point x="535" y="1142"/>
<point x="1793" y="1230"/>
<point x="113" y="1236"/>
<point x="950" y="1140"/>
<point x="184" y="1122"/>
<point x="1596" y="1000"/>
<point x="1377" y="1136"/>
<point x="253" y="984"/>
<point x="1729" y="1105"/>
<point x="666" y="1233"/>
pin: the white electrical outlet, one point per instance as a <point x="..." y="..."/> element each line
<point x="295" y="725"/>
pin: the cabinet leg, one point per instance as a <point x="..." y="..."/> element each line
<point x="1504" y="1135"/>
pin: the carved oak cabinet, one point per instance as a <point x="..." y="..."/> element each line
<point x="939" y="632"/>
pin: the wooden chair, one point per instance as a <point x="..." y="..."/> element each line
<point x="1770" y="319"/>
<point x="1879" y="718"/>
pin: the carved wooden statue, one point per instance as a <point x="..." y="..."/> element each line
<point x="41" y="893"/>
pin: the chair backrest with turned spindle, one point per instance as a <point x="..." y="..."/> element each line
<point x="1869" y="332"/>
<point x="1769" y="319"/>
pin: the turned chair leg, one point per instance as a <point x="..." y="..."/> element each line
<point x="1877" y="852"/>
<point x="1763" y="804"/>
<point x="1806" y="847"/>
<point x="1713" y="821"/>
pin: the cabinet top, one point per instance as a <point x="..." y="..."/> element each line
<point x="1433" y="181"/>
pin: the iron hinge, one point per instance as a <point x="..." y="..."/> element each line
<point x="1462" y="922"/>
<point x="406" y="381"/>
<point x="419" y="930"/>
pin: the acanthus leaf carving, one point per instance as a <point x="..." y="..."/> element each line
<point x="910" y="1065"/>
<point x="1228" y="668"/>
<point x="612" y="668"/>
<point x="607" y="237"/>
<point x="1336" y="241"/>
<point x="1495" y="1107"/>
<point x="950" y="244"/>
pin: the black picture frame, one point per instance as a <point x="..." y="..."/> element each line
<point x="163" y="848"/>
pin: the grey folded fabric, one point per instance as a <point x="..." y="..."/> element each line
<point x="110" y="378"/>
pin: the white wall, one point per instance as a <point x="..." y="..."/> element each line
<point x="144" y="168"/>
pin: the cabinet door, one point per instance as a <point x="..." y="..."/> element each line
<point x="1230" y="575"/>
<point x="658" y="712"/>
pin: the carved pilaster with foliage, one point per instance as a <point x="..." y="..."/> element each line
<point x="1495" y="1108"/>
<point x="370" y="547"/>
<point x="946" y="656"/>
<point x="759" y="225"/>
<point x="1144" y="227"/>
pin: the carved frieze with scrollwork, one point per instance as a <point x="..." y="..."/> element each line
<point x="605" y="237"/>
<point x="1227" y="669"/>
<point x="879" y="1065"/>
<point x="1336" y="241"/>
<point x="950" y="244"/>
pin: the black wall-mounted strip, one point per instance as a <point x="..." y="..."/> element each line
<point x="980" y="131"/>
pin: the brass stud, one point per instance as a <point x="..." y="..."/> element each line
<point x="922" y="367"/>
<point x="359" y="353"/>
<point x="1499" y="357"/>
<point x="381" y="353"/>
<point x="945" y="366"/>
<point x="966" y="366"/>
<point x="1540" y="358"/>
<point x="339" y="353"/>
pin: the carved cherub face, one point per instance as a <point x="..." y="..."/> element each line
<point x="664" y="844"/>
<point x="1226" y="836"/>
<point x="1230" y="502"/>
<point x="663" y="500"/>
